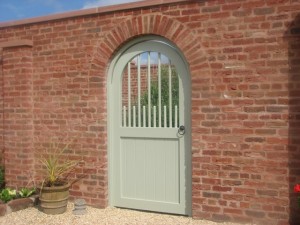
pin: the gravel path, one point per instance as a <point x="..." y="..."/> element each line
<point x="108" y="216"/>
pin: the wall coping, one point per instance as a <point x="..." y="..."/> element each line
<point x="91" y="11"/>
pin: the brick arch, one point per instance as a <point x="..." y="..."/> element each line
<point x="144" y="27"/>
<point x="164" y="26"/>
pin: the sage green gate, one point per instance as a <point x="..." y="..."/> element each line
<point x="149" y="121"/>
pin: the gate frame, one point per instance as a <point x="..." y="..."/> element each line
<point x="186" y="86"/>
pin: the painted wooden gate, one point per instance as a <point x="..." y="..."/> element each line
<point x="149" y="136"/>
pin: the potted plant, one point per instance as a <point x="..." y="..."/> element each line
<point x="54" y="191"/>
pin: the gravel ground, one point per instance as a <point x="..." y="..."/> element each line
<point x="108" y="216"/>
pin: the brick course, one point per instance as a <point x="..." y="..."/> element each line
<point x="243" y="57"/>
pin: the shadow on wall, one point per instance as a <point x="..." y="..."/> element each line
<point x="293" y="38"/>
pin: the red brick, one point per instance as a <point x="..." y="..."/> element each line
<point x="257" y="214"/>
<point x="233" y="211"/>
<point x="220" y="15"/>
<point x="189" y="11"/>
<point x="211" y="181"/>
<point x="245" y="191"/>
<point x="221" y="189"/>
<point x="263" y="11"/>
<point x="253" y="4"/>
<point x="207" y="208"/>
<point x="231" y="7"/>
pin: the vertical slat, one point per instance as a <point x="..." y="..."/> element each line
<point x="154" y="116"/>
<point x="170" y="94"/>
<point x="165" y="116"/>
<point x="149" y="90"/>
<point x="139" y="91"/>
<point x="129" y="94"/>
<point x="124" y="116"/>
<point x="159" y="90"/>
<point x="176" y="117"/>
<point x="144" y="116"/>
<point x="134" y="116"/>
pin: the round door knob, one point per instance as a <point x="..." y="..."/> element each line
<point x="181" y="130"/>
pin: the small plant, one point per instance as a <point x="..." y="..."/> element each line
<point x="57" y="169"/>
<point x="54" y="190"/>
<point x="26" y="192"/>
<point x="7" y="194"/>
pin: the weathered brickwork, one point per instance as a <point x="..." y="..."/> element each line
<point x="18" y="115"/>
<point x="244" y="60"/>
<point x="1" y="111"/>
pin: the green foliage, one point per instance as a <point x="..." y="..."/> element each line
<point x="56" y="169"/>
<point x="7" y="194"/>
<point x="26" y="192"/>
<point x="154" y="98"/>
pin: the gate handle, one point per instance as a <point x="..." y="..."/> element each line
<point x="181" y="130"/>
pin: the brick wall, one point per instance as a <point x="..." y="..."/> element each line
<point x="244" y="62"/>
<point x="1" y="111"/>
<point x="292" y="39"/>
<point x="18" y="115"/>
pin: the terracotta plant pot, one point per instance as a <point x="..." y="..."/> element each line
<point x="54" y="200"/>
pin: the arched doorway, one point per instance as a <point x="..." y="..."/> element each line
<point x="149" y="128"/>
